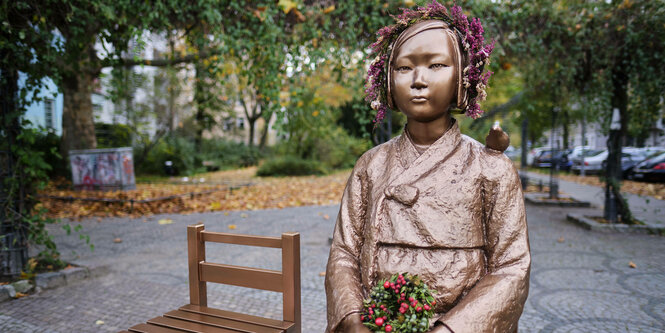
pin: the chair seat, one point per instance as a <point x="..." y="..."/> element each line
<point x="195" y="319"/>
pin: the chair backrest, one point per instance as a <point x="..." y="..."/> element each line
<point x="286" y="281"/>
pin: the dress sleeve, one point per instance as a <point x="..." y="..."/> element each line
<point x="343" y="283"/>
<point x="495" y="303"/>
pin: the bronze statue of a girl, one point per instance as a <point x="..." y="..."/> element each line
<point x="432" y="202"/>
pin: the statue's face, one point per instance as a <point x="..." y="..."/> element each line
<point x="423" y="76"/>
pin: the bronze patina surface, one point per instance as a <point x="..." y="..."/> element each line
<point x="432" y="202"/>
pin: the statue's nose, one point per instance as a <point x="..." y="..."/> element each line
<point x="419" y="81"/>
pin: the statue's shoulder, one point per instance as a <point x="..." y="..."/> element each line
<point x="492" y="163"/>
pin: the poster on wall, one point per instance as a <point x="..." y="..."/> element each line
<point x="103" y="169"/>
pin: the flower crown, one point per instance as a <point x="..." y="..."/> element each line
<point x="471" y="35"/>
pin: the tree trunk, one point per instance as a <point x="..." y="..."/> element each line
<point x="251" y="122"/>
<point x="199" y="99"/>
<point x="565" y="124"/>
<point x="264" y="131"/>
<point x="78" y="127"/>
<point x="13" y="230"/>
<point x="615" y="205"/>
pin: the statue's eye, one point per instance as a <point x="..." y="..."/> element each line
<point x="403" y="68"/>
<point x="437" y="66"/>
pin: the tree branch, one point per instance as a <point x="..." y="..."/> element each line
<point x="154" y="62"/>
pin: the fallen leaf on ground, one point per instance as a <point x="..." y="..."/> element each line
<point x="99" y="322"/>
<point x="632" y="265"/>
<point x="232" y="226"/>
<point x="243" y="215"/>
<point x="19" y="295"/>
<point x="165" y="221"/>
<point x="117" y="240"/>
<point x="322" y="274"/>
<point x="262" y="193"/>
<point x="561" y="240"/>
<point x="326" y="217"/>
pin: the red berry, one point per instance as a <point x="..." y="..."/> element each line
<point x="389" y="328"/>
<point x="426" y="307"/>
<point x="373" y="306"/>
<point x="379" y="321"/>
<point x="402" y="310"/>
<point x="410" y="299"/>
<point x="401" y="276"/>
<point x="362" y="317"/>
<point x="433" y="303"/>
<point x="404" y="305"/>
<point x="386" y="285"/>
<point x="420" y="308"/>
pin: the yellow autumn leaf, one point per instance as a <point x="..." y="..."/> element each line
<point x="328" y="9"/>
<point x="232" y="226"/>
<point x="315" y="113"/>
<point x="409" y="3"/>
<point x="165" y="221"/>
<point x="287" y="5"/>
<point x="215" y="205"/>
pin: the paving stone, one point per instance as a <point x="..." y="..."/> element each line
<point x="7" y="292"/>
<point x="50" y="280"/>
<point x="582" y="283"/>
<point x="22" y="286"/>
<point x="75" y="274"/>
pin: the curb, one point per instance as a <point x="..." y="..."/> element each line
<point x="57" y="279"/>
<point x="540" y="199"/>
<point x="592" y="225"/>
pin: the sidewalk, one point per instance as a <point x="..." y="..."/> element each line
<point x="647" y="209"/>
<point x="581" y="281"/>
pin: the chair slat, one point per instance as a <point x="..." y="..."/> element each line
<point x="221" y="237"/>
<point x="189" y="326"/>
<point x="220" y="322"/>
<point x="147" y="328"/>
<point x="249" y="277"/>
<point x="268" y="322"/>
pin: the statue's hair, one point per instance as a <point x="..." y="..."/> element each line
<point x="471" y="52"/>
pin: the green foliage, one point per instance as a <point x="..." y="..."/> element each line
<point x="228" y="154"/>
<point x="113" y="135"/>
<point x="338" y="150"/>
<point x="187" y="160"/>
<point x="290" y="166"/>
<point x="180" y="151"/>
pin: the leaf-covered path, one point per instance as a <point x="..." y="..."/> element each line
<point x="248" y="193"/>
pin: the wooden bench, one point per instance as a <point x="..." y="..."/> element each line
<point x="198" y="317"/>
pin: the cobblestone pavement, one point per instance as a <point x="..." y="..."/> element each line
<point x="581" y="281"/>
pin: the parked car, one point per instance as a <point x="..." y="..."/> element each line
<point x="651" y="169"/>
<point x="637" y="155"/>
<point x="547" y="158"/>
<point x="630" y="157"/>
<point x="531" y="156"/>
<point x="593" y="160"/>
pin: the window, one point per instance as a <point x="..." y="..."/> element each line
<point x="240" y="122"/>
<point x="48" y="113"/>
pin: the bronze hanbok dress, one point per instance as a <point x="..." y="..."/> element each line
<point x="454" y="215"/>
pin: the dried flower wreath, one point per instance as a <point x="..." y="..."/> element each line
<point x="470" y="33"/>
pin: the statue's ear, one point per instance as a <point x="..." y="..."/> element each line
<point x="497" y="139"/>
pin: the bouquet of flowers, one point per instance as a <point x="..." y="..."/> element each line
<point x="402" y="303"/>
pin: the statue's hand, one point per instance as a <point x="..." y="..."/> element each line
<point x="353" y="324"/>
<point x="497" y="139"/>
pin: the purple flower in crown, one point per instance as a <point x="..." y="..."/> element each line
<point x="471" y="33"/>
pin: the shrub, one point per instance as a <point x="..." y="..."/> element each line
<point x="180" y="151"/>
<point x="113" y="135"/>
<point x="290" y="166"/>
<point x="229" y="154"/>
<point x="47" y="144"/>
<point x="339" y="150"/>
